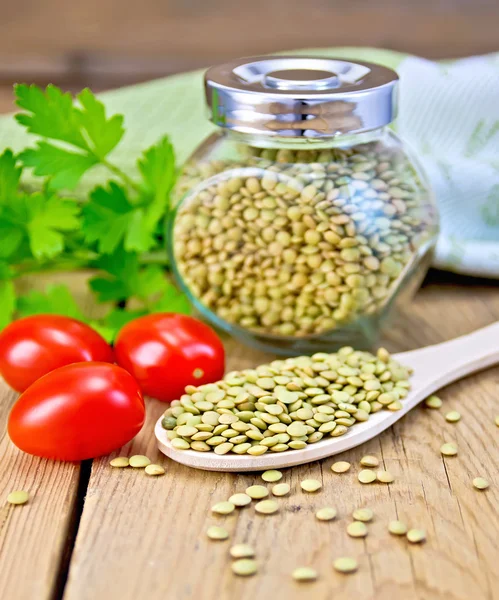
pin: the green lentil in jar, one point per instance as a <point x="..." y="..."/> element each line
<point x="297" y="243"/>
<point x="303" y="400"/>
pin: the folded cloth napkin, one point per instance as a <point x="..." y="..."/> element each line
<point x="448" y="113"/>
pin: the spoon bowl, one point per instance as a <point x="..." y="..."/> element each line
<point x="434" y="367"/>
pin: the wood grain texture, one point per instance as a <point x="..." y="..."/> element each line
<point x="141" y="537"/>
<point x="35" y="539"/>
<point x="115" y="42"/>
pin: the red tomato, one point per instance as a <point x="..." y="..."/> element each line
<point x="167" y="351"/>
<point x="77" y="412"/>
<point x="34" y="346"/>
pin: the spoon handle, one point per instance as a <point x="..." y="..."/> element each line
<point x="437" y="366"/>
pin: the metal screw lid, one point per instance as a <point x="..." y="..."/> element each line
<point x="297" y="96"/>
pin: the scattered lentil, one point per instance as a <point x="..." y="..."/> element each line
<point x="369" y="461"/>
<point x="366" y="476"/>
<point x="416" y="536"/>
<point x="384" y="477"/>
<point x="139" y="461"/>
<point x="397" y="527"/>
<point x="363" y="514"/>
<point x="217" y="533"/>
<point x="453" y="416"/>
<point x="272" y="475"/>
<point x="326" y="514"/>
<point x="357" y="529"/>
<point x="240" y="499"/>
<point x="266" y="507"/>
<point x="223" y="508"/>
<point x="244" y="567"/>
<point x="120" y="462"/>
<point x="304" y="574"/>
<point x="310" y="485"/>
<point x="480" y="483"/>
<point x="433" y="402"/>
<point x="257" y="492"/>
<point x="340" y="467"/>
<point x="345" y="564"/>
<point x="18" y="497"/>
<point x="448" y="449"/>
<point x="242" y="551"/>
<point x="154" y="470"/>
<point x="281" y="489"/>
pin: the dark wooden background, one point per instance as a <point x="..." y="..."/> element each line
<point x="110" y="43"/>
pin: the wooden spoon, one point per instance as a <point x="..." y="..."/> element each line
<point x="434" y="367"/>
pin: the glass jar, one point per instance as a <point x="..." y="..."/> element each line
<point x="301" y="224"/>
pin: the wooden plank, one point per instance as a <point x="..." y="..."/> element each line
<point x="145" y="538"/>
<point x="36" y="539"/>
<point x="159" y="37"/>
<point x="33" y="537"/>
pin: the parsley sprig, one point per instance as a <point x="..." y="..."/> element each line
<point x="118" y="230"/>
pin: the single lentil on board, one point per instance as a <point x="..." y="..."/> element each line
<point x="299" y="242"/>
<point x="281" y="489"/>
<point x="154" y="470"/>
<point x="433" y="402"/>
<point x="18" y="497"/>
<point x="397" y="527"/>
<point x="340" y="467"/>
<point x="304" y="574"/>
<point x="480" y="483"/>
<point x="120" y="462"/>
<point x="285" y="405"/>
<point x="245" y="567"/>
<point x="448" y="449"/>
<point x="326" y="514"/>
<point x="345" y="564"/>
<point x="242" y="551"/>
<point x="363" y="514"/>
<point x="416" y="536"/>
<point x="369" y="461"/>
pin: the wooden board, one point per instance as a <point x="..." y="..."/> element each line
<point x="34" y="538"/>
<point x="108" y="43"/>
<point x="145" y="538"/>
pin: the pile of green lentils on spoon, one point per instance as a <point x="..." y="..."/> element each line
<point x="287" y="404"/>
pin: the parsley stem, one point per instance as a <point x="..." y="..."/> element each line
<point x="158" y="257"/>
<point x="121" y="174"/>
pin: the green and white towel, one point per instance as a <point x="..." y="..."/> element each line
<point x="449" y="114"/>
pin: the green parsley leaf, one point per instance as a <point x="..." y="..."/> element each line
<point x="120" y="269"/>
<point x="157" y="167"/>
<point x="11" y="236"/>
<point x="9" y="177"/>
<point x="174" y="301"/>
<point x="125" y="278"/>
<point x="53" y="115"/>
<point x="103" y="134"/>
<point x="109" y="219"/>
<point x="57" y="300"/>
<point x="7" y="302"/>
<point x="64" y="168"/>
<point x="117" y="318"/>
<point x="50" y="114"/>
<point x="7" y="295"/>
<point x="49" y="218"/>
<point x="41" y="220"/>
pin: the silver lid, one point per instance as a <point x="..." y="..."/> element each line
<point x="297" y="96"/>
